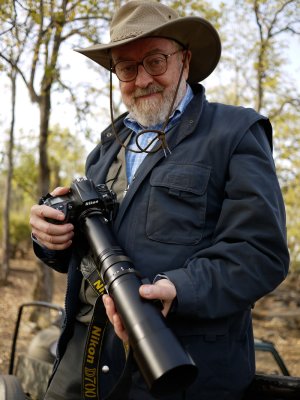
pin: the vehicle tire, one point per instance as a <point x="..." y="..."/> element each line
<point x="10" y="388"/>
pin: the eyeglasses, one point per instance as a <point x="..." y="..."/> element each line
<point x="154" y="64"/>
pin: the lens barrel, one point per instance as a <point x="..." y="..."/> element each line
<point x="163" y="362"/>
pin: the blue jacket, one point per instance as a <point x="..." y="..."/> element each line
<point x="211" y="217"/>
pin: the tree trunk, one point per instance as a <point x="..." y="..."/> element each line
<point x="260" y="79"/>
<point x="44" y="286"/>
<point x="44" y="171"/>
<point x="7" y="192"/>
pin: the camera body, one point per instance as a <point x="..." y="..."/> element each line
<point x="83" y="196"/>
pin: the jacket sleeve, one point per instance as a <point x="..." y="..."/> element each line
<point x="58" y="260"/>
<point x="248" y="255"/>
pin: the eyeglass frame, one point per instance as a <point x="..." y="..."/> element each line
<point x="138" y="63"/>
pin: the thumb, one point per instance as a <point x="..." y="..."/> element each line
<point x="162" y="289"/>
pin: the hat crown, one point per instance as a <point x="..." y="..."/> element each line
<point x="138" y="17"/>
<point x="148" y="18"/>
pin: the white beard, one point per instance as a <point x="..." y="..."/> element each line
<point x="150" y="112"/>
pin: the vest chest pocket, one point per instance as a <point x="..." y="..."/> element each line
<point x="177" y="203"/>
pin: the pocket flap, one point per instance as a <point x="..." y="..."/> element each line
<point x="183" y="177"/>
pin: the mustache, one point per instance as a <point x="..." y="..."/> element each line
<point x="153" y="88"/>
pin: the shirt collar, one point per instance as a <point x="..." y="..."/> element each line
<point x="132" y="124"/>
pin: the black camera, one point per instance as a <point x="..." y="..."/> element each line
<point x="83" y="196"/>
<point x="164" y="364"/>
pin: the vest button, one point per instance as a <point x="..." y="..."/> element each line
<point x="105" y="369"/>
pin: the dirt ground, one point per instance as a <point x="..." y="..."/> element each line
<point x="276" y="317"/>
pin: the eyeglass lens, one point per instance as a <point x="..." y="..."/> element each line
<point x="155" y="64"/>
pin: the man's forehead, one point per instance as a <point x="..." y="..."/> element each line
<point x="141" y="46"/>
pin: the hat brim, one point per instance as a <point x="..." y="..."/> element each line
<point x="193" y="32"/>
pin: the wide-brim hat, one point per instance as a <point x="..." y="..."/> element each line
<point x="139" y="19"/>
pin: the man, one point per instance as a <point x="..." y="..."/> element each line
<point x="200" y="209"/>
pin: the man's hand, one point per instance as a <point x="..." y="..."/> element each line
<point x="162" y="290"/>
<point x="52" y="236"/>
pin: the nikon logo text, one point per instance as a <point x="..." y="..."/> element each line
<point x="90" y="383"/>
<point x="99" y="286"/>
<point x="90" y="203"/>
<point x="90" y="375"/>
<point x="93" y="343"/>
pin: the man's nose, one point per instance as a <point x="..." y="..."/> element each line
<point x="143" y="78"/>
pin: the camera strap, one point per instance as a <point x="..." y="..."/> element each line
<point x="94" y="341"/>
<point x="91" y="368"/>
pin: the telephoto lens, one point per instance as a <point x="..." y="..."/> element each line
<point x="163" y="362"/>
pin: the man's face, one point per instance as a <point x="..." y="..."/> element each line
<point x="148" y="98"/>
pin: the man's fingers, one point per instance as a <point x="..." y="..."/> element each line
<point x="53" y="239"/>
<point x="60" y="191"/>
<point x="119" y="328"/>
<point x="109" y="306"/>
<point x="114" y="318"/>
<point x="39" y="213"/>
<point x="52" y="236"/>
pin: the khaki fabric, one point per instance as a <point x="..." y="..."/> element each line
<point x="66" y="382"/>
<point x="117" y="177"/>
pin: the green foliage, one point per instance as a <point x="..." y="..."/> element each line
<point x="197" y="8"/>
<point x="20" y="233"/>
<point x="287" y="141"/>
<point x="291" y="197"/>
<point x="25" y="178"/>
<point x="66" y="156"/>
